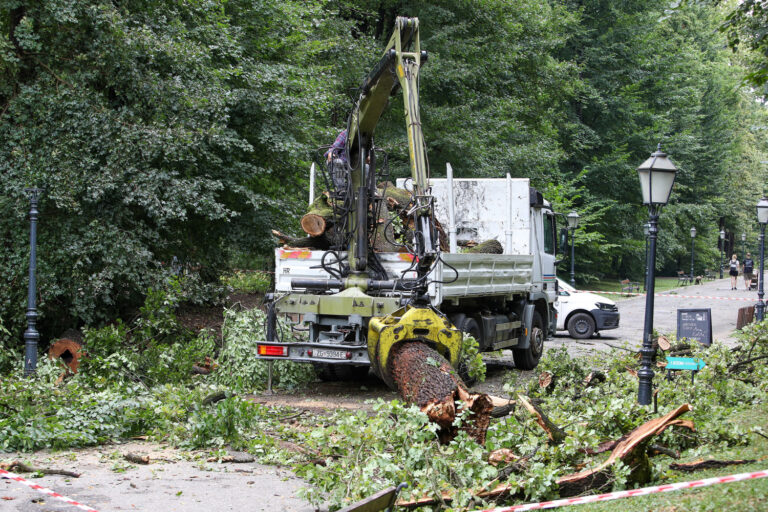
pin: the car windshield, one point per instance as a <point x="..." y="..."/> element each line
<point x="564" y="286"/>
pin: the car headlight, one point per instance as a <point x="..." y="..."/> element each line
<point x="607" y="307"/>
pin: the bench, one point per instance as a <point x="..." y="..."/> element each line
<point x="683" y="278"/>
<point x="708" y="274"/>
<point x="628" y="286"/>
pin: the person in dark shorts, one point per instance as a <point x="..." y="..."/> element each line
<point x="749" y="268"/>
<point x="734" y="271"/>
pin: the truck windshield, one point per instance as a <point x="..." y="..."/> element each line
<point x="549" y="234"/>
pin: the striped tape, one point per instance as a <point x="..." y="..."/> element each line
<point x="65" y="499"/>
<point x="632" y="492"/>
<point x="600" y="292"/>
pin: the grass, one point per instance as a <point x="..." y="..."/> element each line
<point x="749" y="495"/>
<point x="661" y="284"/>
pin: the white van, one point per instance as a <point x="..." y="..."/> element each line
<point x="584" y="313"/>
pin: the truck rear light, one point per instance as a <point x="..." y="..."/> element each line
<point x="349" y="355"/>
<point x="273" y="350"/>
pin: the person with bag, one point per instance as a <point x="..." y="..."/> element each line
<point x="749" y="267"/>
<point x="734" y="271"/>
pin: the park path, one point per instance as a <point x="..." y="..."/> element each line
<point x="630" y="332"/>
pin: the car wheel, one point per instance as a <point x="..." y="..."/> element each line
<point x="528" y="358"/>
<point x="581" y="326"/>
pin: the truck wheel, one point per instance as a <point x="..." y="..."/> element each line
<point x="581" y="326"/>
<point x="336" y="372"/>
<point x="469" y="326"/>
<point x="528" y="358"/>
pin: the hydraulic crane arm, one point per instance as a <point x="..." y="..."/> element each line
<point x="398" y="67"/>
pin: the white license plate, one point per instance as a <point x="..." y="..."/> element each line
<point x="330" y="354"/>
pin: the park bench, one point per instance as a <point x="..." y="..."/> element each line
<point x="628" y="286"/>
<point x="683" y="278"/>
<point x="708" y="274"/>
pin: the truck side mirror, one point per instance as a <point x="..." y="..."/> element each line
<point x="563" y="238"/>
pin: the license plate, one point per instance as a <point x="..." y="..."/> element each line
<point x="329" y="354"/>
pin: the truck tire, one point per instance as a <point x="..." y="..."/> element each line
<point x="337" y="372"/>
<point x="581" y="326"/>
<point x="469" y="326"/>
<point x="528" y="358"/>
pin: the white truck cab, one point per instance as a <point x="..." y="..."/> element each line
<point x="584" y="313"/>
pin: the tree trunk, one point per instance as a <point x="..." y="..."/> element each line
<point x="318" y="217"/>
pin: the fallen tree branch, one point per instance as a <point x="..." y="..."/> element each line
<point x="708" y="464"/>
<point x="20" y="467"/>
<point x="555" y="434"/>
<point x="136" y="458"/>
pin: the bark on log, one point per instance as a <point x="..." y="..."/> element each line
<point x="424" y="377"/>
<point x="708" y="464"/>
<point x="320" y="243"/>
<point x="136" y="458"/>
<point x="20" y="467"/>
<point x="396" y="198"/>
<point x="555" y="434"/>
<point x="593" y="378"/>
<point x="488" y="247"/>
<point x="70" y="352"/>
<point x="630" y="450"/>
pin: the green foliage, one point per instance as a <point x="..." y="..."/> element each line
<point x="249" y="282"/>
<point x="471" y="359"/>
<point x="240" y="370"/>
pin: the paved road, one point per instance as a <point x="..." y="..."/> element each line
<point x="630" y="331"/>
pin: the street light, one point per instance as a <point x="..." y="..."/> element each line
<point x="743" y="245"/>
<point x="693" y="237"/>
<point x="657" y="176"/>
<point x="646" y="230"/>
<point x="573" y="223"/>
<point x="722" y="244"/>
<point x="31" y="336"/>
<point x="762" y="218"/>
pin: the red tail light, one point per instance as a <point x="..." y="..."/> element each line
<point x="272" y="350"/>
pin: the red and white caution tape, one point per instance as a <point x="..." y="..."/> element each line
<point x="632" y="492"/>
<point x="17" y="478"/>
<point x="600" y="292"/>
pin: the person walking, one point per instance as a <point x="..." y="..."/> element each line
<point x="734" y="271"/>
<point x="749" y="268"/>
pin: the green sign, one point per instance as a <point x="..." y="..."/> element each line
<point x="685" y="363"/>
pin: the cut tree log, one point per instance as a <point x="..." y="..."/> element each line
<point x="631" y="450"/>
<point x="136" y="458"/>
<point x="593" y="378"/>
<point x="318" y="217"/>
<point x="547" y="381"/>
<point x="320" y="243"/>
<point x="69" y="351"/>
<point x="424" y="377"/>
<point x="488" y="247"/>
<point x="708" y="464"/>
<point x="555" y="434"/>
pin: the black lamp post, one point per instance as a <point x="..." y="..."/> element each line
<point x="722" y="245"/>
<point x="693" y="238"/>
<point x="31" y="336"/>
<point x="573" y="223"/>
<point x="657" y="176"/>
<point x="646" y="230"/>
<point x="762" y="218"/>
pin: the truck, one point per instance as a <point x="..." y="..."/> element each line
<point x="358" y="304"/>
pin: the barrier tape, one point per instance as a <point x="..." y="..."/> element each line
<point x="17" y="478"/>
<point x="600" y="292"/>
<point x="632" y="492"/>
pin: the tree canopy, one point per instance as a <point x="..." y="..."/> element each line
<point x="185" y="129"/>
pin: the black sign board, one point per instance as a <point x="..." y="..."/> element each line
<point x="695" y="324"/>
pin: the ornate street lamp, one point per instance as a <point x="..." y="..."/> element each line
<point x="722" y="245"/>
<point x="31" y="336"/>
<point x="693" y="238"/>
<point x="646" y="230"/>
<point x="657" y="176"/>
<point x="762" y="218"/>
<point x="743" y="245"/>
<point x="573" y="223"/>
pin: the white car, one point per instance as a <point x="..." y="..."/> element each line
<point x="584" y="313"/>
